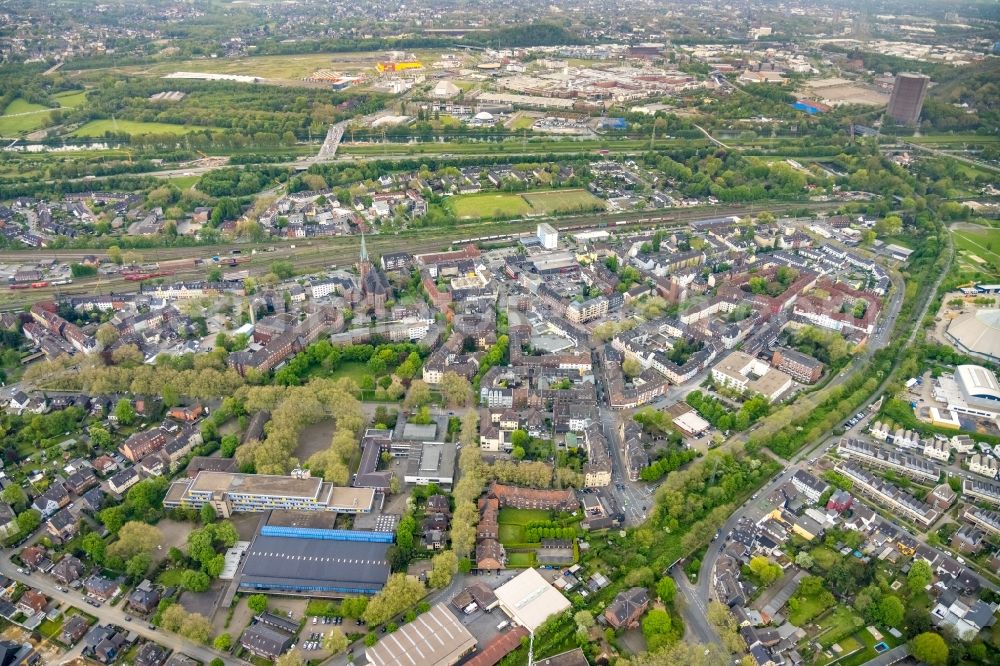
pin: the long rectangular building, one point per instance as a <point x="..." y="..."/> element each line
<point x="982" y="490"/>
<point x="868" y="453"/>
<point x="314" y="567"/>
<point x="892" y="497"/>
<point x="230" y="493"/>
<point x="435" y="638"/>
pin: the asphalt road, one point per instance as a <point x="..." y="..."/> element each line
<point x="112" y="614"/>
<point x="758" y="506"/>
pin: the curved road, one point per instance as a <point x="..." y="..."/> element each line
<point x="702" y="592"/>
<point x="115" y="615"/>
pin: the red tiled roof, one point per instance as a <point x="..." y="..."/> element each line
<point x="498" y="648"/>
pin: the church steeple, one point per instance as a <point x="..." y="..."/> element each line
<point x="364" y="263"/>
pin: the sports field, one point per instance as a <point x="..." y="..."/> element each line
<point x="97" y="128"/>
<point x="563" y="201"/>
<point x="497" y="205"/>
<point x="979" y="248"/>
<point x="473" y="206"/>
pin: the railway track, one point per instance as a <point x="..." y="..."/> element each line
<point x="321" y="253"/>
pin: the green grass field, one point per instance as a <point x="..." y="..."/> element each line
<point x="520" y="560"/>
<point x="473" y="206"/>
<point x="352" y="369"/>
<point x="185" y="182"/>
<point x="505" y="204"/>
<point x="806" y="611"/>
<point x="560" y="201"/>
<point x="984" y="244"/>
<point x="522" y="516"/>
<point x="97" y="128"/>
<point x="512" y="523"/>
<point x="71" y="99"/>
<point x="21" y="116"/>
<point x="22" y="106"/>
<point x="848" y="646"/>
<point x="824" y="557"/>
<point x="837" y="624"/>
<point x="524" y="122"/>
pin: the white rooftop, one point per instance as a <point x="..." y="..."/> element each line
<point x="530" y="600"/>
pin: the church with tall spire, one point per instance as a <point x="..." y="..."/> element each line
<point x="364" y="263"/>
<point x="374" y="285"/>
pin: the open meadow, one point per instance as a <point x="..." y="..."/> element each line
<point x="504" y="205"/>
<point x="98" y="128"/>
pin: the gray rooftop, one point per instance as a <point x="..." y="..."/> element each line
<point x="276" y="562"/>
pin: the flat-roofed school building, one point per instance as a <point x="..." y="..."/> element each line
<point x="230" y="493"/>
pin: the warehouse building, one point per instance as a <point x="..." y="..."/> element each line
<point x="529" y="599"/>
<point x="314" y="567"/>
<point x="435" y="638"/>
<point x="303" y="553"/>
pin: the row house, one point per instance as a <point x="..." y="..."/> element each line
<point x="870" y="454"/>
<point x="898" y="501"/>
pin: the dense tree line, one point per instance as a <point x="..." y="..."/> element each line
<point x="670" y="462"/>
<point x="722" y="417"/>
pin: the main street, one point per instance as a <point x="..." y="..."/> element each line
<point x="111" y="614"/>
<point x="756" y="507"/>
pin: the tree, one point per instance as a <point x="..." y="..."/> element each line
<point x="455" y="389"/>
<point x="99" y="437"/>
<point x="106" y="335"/>
<point x="584" y="622"/>
<point x="891" y="611"/>
<point x="125" y="412"/>
<point x="443" y="568"/>
<point x="764" y="570"/>
<point x="15" y="497"/>
<point x="929" y="648"/>
<point x="28" y="521"/>
<point x="658" y="629"/>
<point x="804" y="560"/>
<point x="138" y="565"/>
<point x="135" y="537"/>
<point x="115" y="255"/>
<point x="94" y="547"/>
<point x="228" y="446"/>
<point x="335" y="641"/>
<point x="217" y="662"/>
<point x="639" y="577"/>
<point x="469" y="434"/>
<point x="291" y="658"/>
<point x="207" y="514"/>
<point x="223" y="642"/>
<point x="418" y="395"/>
<point x="919" y="576"/>
<point x="631" y="367"/>
<point x="196" y="581"/>
<point x="891" y="225"/>
<point x="666" y="589"/>
<point x="399" y="593"/>
<point x="257" y="603"/>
